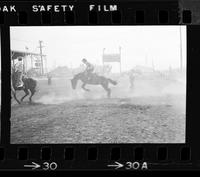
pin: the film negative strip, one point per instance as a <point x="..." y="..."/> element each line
<point x="89" y="85"/>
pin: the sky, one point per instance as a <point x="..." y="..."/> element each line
<point x="140" y="45"/>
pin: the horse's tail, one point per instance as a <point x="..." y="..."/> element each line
<point x="112" y="81"/>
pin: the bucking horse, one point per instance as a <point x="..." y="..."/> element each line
<point x="94" y="80"/>
<point x="29" y="85"/>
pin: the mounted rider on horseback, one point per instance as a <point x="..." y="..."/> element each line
<point x="18" y="70"/>
<point x="89" y="69"/>
<point x="88" y="77"/>
<point x="19" y="81"/>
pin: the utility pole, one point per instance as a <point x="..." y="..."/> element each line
<point x="25" y="59"/>
<point x="41" y="56"/>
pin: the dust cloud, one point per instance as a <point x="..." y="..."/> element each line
<point x="154" y="91"/>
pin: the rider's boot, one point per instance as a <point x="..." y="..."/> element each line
<point x="20" y="85"/>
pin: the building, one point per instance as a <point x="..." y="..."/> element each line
<point x="31" y="61"/>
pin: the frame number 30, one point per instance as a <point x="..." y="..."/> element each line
<point x="50" y="166"/>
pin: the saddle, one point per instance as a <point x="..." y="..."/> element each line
<point x="91" y="76"/>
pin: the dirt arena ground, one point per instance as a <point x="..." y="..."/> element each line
<point x="152" y="112"/>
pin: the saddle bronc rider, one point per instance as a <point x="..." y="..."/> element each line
<point x="89" y="68"/>
<point x="19" y="71"/>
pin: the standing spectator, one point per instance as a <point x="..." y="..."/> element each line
<point x="132" y="78"/>
<point x="49" y="77"/>
<point x="19" y="71"/>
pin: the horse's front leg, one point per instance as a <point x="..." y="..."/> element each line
<point x="13" y="93"/>
<point x="83" y="87"/>
<point x="15" y="97"/>
<point x="26" y="94"/>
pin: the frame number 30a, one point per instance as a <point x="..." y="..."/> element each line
<point x="136" y="165"/>
<point x="50" y="166"/>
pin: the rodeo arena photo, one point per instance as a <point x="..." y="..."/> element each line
<point x="98" y="84"/>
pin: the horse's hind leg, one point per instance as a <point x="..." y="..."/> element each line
<point x="108" y="93"/>
<point x="32" y="93"/>
<point x="107" y="90"/>
<point x="26" y="94"/>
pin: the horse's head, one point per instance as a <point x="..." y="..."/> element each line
<point x="74" y="83"/>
